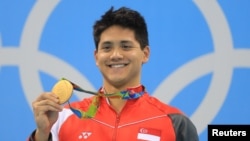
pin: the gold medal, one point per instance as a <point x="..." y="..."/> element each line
<point x="63" y="89"/>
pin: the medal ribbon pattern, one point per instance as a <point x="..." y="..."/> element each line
<point x="129" y="93"/>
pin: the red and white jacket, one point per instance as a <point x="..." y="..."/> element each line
<point x="142" y="119"/>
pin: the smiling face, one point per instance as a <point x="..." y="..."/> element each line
<point x="120" y="58"/>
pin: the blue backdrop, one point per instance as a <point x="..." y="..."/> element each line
<point x="200" y="56"/>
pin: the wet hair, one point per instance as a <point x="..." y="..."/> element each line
<point x="126" y="18"/>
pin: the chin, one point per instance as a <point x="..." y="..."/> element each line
<point x="117" y="82"/>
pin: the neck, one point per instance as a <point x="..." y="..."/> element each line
<point x="113" y="89"/>
<point x="117" y="104"/>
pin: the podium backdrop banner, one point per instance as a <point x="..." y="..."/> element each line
<point x="199" y="62"/>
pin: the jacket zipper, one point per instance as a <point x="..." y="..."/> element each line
<point x="116" y="126"/>
<point x="117" y="120"/>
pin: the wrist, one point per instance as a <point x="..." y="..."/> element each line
<point x="42" y="136"/>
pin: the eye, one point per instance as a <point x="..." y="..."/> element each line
<point x="126" y="46"/>
<point x="106" y="47"/>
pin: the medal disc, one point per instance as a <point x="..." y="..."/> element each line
<point x="63" y="89"/>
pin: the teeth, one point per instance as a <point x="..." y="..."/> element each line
<point x="117" y="66"/>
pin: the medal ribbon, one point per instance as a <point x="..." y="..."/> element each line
<point x="129" y="93"/>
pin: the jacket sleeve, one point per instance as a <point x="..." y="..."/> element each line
<point x="31" y="137"/>
<point x="184" y="128"/>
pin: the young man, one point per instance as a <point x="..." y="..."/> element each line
<point x="122" y="47"/>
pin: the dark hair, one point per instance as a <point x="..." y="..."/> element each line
<point x="123" y="17"/>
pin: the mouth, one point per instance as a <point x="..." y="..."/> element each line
<point x="117" y="65"/>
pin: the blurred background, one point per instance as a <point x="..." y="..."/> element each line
<point x="200" y="56"/>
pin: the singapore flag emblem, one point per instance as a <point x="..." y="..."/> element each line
<point x="148" y="134"/>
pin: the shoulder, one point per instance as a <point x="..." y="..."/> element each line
<point x="184" y="128"/>
<point x="155" y="102"/>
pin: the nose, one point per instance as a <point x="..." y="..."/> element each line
<point x="116" y="53"/>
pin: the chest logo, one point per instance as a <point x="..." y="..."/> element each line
<point x="84" y="135"/>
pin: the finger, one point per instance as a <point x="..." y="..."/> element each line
<point x="48" y="96"/>
<point x="46" y="105"/>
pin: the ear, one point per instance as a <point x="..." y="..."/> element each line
<point x="96" y="57"/>
<point x="146" y="54"/>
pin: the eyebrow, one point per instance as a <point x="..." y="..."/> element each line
<point x="107" y="43"/>
<point x="110" y="42"/>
